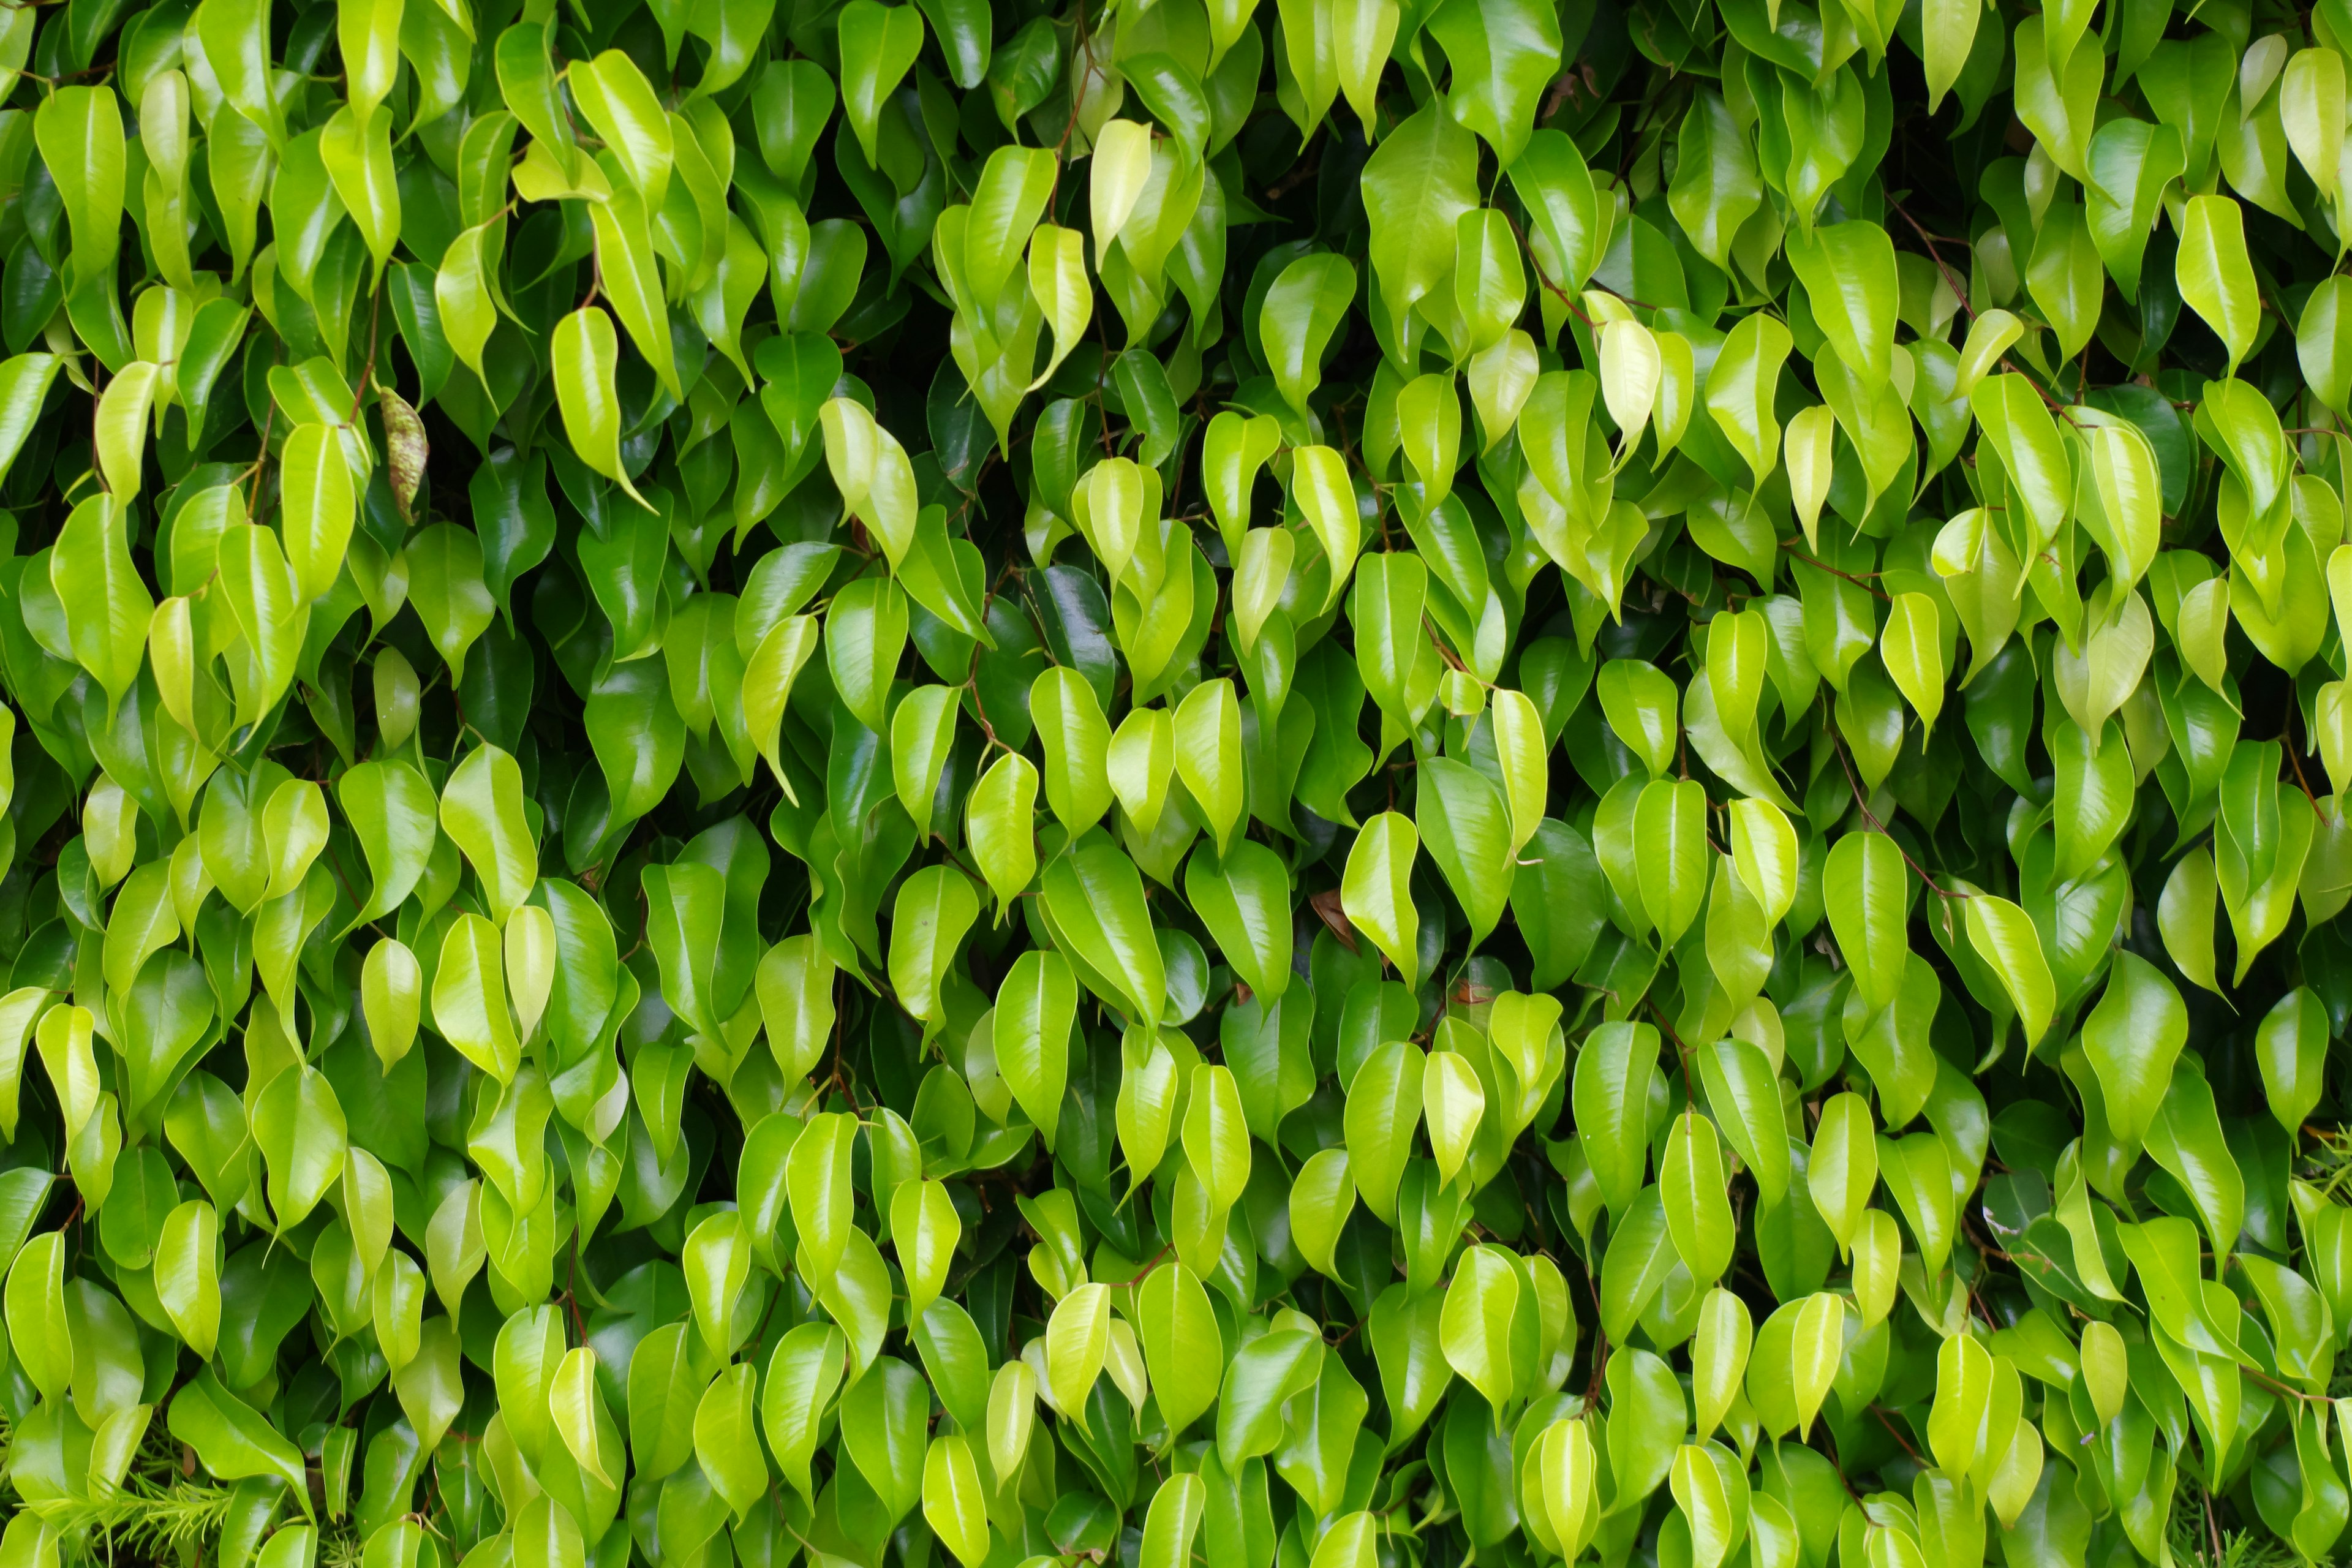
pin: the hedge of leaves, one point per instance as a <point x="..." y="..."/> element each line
<point x="1340" y="784"/>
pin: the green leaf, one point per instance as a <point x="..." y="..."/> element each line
<point x="1553" y="181"/>
<point x="105" y="605"/>
<point x="622" y="108"/>
<point x="527" y="84"/>
<point x="1376" y="893"/>
<point x="38" y="1326"/>
<point x="1244" y="900"/>
<point x="121" y="428"/>
<point x="1418" y="182"/>
<point x="1849" y="274"/>
<point x="2215" y="278"/>
<point x="300" y="1129"/>
<point x="1716" y="187"/>
<point x="999" y="821"/>
<point x="575" y="1408"/>
<point x="1077" y="740"/>
<point x="716" y="1261"/>
<point x="356" y="150"/>
<point x="1180" y="1343"/>
<point x="2004" y="937"/>
<point x="470" y="997"/>
<point x="446" y="584"/>
<point x="482" y="813"/>
<point x="1671" y="854"/>
<point x="2132" y="1038"/>
<point x="1035" y="1008"/>
<point x="953" y="1504"/>
<point x="25" y="382"/>
<point x="2291" y="1045"/>
<point x="878" y="45"/>
<point x="585" y="353"/>
<point x="187" y="1277"/>
<point x="1216" y="1136"/>
<point x="233" y="1439"/>
<point x="1302" y="309"/>
<point x="864" y="636"/>
<point x="1383" y="1108"/>
<point x="1744" y="1093"/>
<point x="1843" y="1171"/>
<point x="391" y="993"/>
<point x="1259" y="1380"/>
<point x="1173" y="1520"/>
<point x="1691" y="1185"/>
<point x="818" y="1177"/>
<point x="79" y="130"/>
<point x="935" y="908"/>
<point x="1096" y="901"/>
<point x="1475" y="1327"/>
<point x="925" y="1228"/>
<point x="1912" y="645"/>
<point x="1866" y="890"/>
<point x="1463" y="818"/>
<point x="801" y="1378"/>
<point x="2184" y="1136"/>
<point x="1612" y="1095"/>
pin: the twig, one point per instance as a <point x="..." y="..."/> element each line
<point x="1078" y="42"/>
<point x="261" y="453"/>
<point x="367" y="370"/>
<point x="1150" y="1264"/>
<point x="572" y="1288"/>
<point x="2295" y="762"/>
<point x="2288" y="1389"/>
<point x="1871" y="817"/>
<point x="1543" y="277"/>
<point x="1296" y="177"/>
<point x="1864" y="583"/>
<point x="1952" y="281"/>
<point x="1896" y="1433"/>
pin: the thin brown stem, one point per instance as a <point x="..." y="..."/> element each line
<point x="1543" y="277"/>
<point x="1861" y="803"/>
<point x="367" y="370"/>
<point x="1896" y="1433"/>
<point x="1951" y="280"/>
<point x="1864" y="583"/>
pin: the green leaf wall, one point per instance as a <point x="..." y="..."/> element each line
<point x="1343" y="784"/>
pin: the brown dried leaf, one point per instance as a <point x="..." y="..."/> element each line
<point x="406" y="448"/>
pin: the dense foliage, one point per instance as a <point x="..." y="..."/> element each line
<point x="1347" y="784"/>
